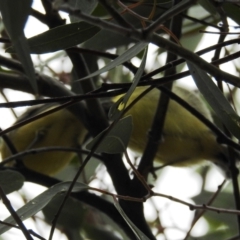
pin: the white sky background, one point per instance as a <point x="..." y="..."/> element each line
<point x="182" y="183"/>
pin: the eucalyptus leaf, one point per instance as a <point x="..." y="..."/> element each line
<point x="60" y="38"/>
<point x="72" y="214"/>
<point x="14" y="15"/>
<point x="116" y="140"/>
<point x="114" y="112"/>
<point x="138" y="233"/>
<point x="216" y="99"/>
<point x="39" y="202"/>
<point x="23" y="52"/>
<point x="127" y="55"/>
<point x="15" y="19"/>
<point x="11" y="181"/>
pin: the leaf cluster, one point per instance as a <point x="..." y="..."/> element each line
<point x="117" y="34"/>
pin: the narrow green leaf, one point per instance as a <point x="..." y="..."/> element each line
<point x="72" y="214"/>
<point x="130" y="53"/>
<point x="116" y="140"/>
<point x="39" y="202"/>
<point x="23" y="53"/>
<point x="114" y="112"/>
<point x="138" y="233"/>
<point x="216" y="99"/>
<point x="14" y="16"/>
<point x="62" y="37"/>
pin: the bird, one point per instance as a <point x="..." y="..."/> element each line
<point x="185" y="139"/>
<point x="58" y="129"/>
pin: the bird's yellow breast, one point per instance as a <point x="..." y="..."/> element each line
<point x="59" y="129"/>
